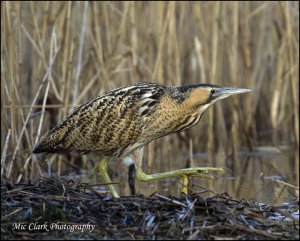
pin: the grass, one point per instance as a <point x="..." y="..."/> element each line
<point x="75" y="51"/>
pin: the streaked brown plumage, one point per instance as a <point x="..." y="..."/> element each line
<point x="120" y="122"/>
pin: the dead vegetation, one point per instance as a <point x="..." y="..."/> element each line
<point x="55" y="200"/>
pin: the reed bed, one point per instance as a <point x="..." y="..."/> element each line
<point x="57" y="55"/>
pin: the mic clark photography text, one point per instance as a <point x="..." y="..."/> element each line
<point x="53" y="226"/>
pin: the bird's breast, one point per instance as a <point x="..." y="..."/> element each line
<point x="169" y="119"/>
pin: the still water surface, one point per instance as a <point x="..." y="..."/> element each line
<point x="259" y="177"/>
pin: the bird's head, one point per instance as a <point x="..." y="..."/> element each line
<point x="201" y="96"/>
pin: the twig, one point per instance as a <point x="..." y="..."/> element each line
<point x="171" y="200"/>
<point x="5" y="151"/>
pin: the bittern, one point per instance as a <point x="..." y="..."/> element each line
<point x="119" y="123"/>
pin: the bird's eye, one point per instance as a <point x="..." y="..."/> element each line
<point x="212" y="91"/>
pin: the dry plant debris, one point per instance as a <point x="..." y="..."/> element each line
<point x="55" y="200"/>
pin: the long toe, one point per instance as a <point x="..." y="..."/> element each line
<point x="208" y="169"/>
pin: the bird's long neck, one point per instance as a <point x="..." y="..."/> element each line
<point x="188" y="114"/>
<point x="182" y="115"/>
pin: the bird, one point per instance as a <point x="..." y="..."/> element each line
<point x="120" y="122"/>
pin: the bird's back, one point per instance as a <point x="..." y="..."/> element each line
<point x="111" y="124"/>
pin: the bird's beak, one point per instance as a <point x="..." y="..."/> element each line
<point x="221" y="93"/>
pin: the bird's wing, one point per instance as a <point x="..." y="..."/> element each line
<point x="109" y="123"/>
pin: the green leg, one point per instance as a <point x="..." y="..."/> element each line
<point x="202" y="172"/>
<point x="184" y="187"/>
<point x="103" y="171"/>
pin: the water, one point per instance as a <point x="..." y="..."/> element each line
<point x="261" y="176"/>
<point x="256" y="179"/>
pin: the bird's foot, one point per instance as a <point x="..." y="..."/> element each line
<point x="200" y="172"/>
<point x="193" y="171"/>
